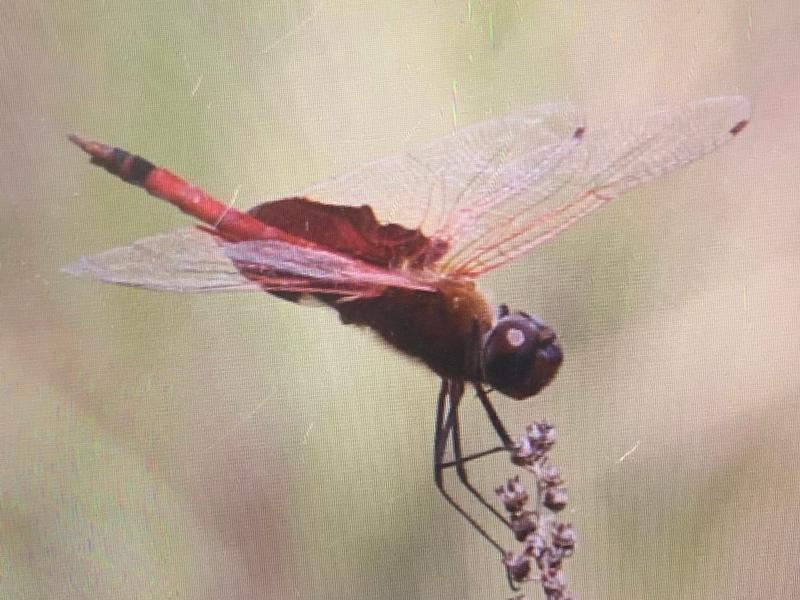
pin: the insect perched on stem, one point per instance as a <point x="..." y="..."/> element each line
<point x="477" y="199"/>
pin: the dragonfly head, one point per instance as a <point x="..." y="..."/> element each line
<point x="520" y="355"/>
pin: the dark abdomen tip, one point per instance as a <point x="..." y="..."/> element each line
<point x="128" y="167"/>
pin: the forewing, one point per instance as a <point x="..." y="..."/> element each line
<point x="526" y="206"/>
<point x="423" y="188"/>
<point x="191" y="260"/>
<point x="496" y="190"/>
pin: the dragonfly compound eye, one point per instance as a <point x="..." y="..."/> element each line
<point x="520" y="356"/>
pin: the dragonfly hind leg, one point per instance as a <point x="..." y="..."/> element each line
<point x="448" y="430"/>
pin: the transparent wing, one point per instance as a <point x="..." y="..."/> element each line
<point x="190" y="260"/>
<point x="496" y="190"/>
<point x="186" y="260"/>
<point x="272" y="263"/>
<point x="424" y="187"/>
<point x="609" y="161"/>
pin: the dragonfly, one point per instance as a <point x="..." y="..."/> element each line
<point x="398" y="244"/>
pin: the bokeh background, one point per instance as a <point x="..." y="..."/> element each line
<point x="167" y="446"/>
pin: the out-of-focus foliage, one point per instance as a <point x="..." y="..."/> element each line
<point x="161" y="446"/>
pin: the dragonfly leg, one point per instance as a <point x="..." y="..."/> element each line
<point x="450" y="395"/>
<point x="461" y="471"/>
<point x="494" y="419"/>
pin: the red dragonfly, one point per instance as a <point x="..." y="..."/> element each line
<point x="478" y="199"/>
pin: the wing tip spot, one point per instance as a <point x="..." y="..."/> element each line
<point x="736" y="129"/>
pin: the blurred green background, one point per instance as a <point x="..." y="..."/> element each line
<point x="166" y="446"/>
